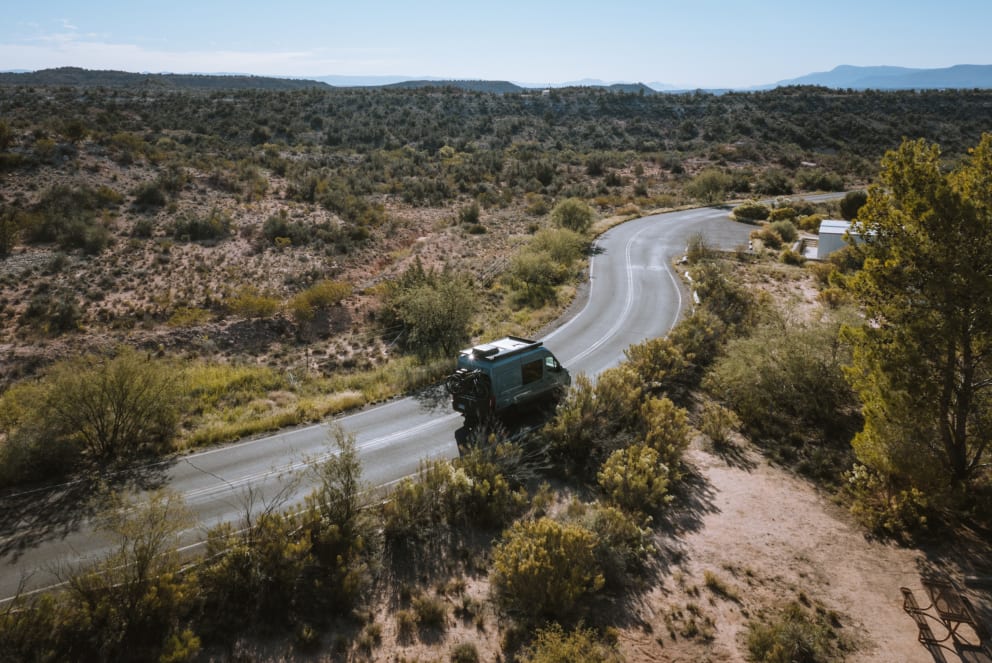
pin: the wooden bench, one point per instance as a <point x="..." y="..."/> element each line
<point x="926" y="635"/>
<point x="981" y="628"/>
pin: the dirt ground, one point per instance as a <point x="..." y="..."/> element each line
<point x="773" y="538"/>
<point x="753" y="538"/>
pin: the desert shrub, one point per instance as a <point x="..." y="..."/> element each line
<point x="249" y="302"/>
<point x="768" y="237"/>
<point x="546" y="261"/>
<point x="885" y="509"/>
<point x="794" y="635"/>
<point x="68" y="215"/>
<point x="594" y="420"/>
<point x="782" y="214"/>
<point x="491" y="501"/>
<point x="790" y="257"/>
<point x="851" y="204"/>
<point x="717" y="422"/>
<point x="697" y="249"/>
<point x="710" y="185"/>
<point x="554" y="645"/>
<point x="625" y="544"/>
<point x="787" y="385"/>
<point x="534" y="275"/>
<point x="810" y="222"/>
<point x="150" y="196"/>
<point x="833" y="297"/>
<point x="418" y="513"/>
<point x="573" y="214"/>
<point x="464" y="652"/>
<point x="563" y="245"/>
<point x="469" y="214"/>
<point x="751" y="212"/>
<point x="143" y="228"/>
<point x="101" y="408"/>
<point x="320" y="296"/>
<point x="430" y="612"/>
<point x="635" y="479"/>
<point x="785" y="230"/>
<point x="215" y="225"/>
<point x="731" y="303"/>
<point x="698" y="338"/>
<point x="130" y="605"/>
<point x="773" y="182"/>
<point x="55" y="312"/>
<point x="28" y="450"/>
<point x="434" y="308"/>
<point x="660" y="366"/>
<point x="341" y="533"/>
<point x="252" y="579"/>
<point x="544" y="569"/>
<point x="666" y="430"/>
<point x="818" y="179"/>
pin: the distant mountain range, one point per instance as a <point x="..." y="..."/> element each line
<point x="77" y="77"/>
<point x="842" y="77"/>
<point x="962" y="76"/>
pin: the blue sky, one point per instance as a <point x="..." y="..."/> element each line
<point x="693" y="43"/>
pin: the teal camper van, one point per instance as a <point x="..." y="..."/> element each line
<point x="496" y="376"/>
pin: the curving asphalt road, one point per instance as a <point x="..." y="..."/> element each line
<point x="633" y="295"/>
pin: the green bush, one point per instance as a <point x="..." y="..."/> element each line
<point x="635" y="479"/>
<point x="216" y="225"/>
<point x="818" y="179"/>
<point x="464" y="652"/>
<point x="794" y="635"/>
<point x="773" y="182"/>
<point x="790" y="257"/>
<point x="248" y="302"/>
<point x="430" y="612"/>
<point x="717" y="422"/>
<point x="787" y="385"/>
<point x="625" y="544"/>
<point x="469" y="214"/>
<point x="103" y="408"/>
<point x="785" y="229"/>
<point x="721" y="297"/>
<point x="573" y="214"/>
<point x="751" y="212"/>
<point x="592" y="421"/>
<point x="544" y="569"/>
<point x="553" y="645"/>
<point x="782" y="214"/>
<point x="321" y="296"/>
<point x="150" y="196"/>
<point x="851" y="204"/>
<point x="884" y="509"/>
<point x="710" y="185"/>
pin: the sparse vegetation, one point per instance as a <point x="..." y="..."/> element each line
<point x="280" y="256"/>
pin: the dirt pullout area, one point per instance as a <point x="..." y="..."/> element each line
<point x="761" y="539"/>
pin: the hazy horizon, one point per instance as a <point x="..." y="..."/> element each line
<point x="711" y="44"/>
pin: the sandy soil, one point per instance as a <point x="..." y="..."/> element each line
<point x="772" y="538"/>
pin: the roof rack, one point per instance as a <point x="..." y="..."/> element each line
<point x="503" y="347"/>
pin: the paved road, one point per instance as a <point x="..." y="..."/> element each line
<point x="633" y="295"/>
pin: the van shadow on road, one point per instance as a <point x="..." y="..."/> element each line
<point x="32" y="516"/>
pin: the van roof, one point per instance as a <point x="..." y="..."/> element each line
<point x="501" y="348"/>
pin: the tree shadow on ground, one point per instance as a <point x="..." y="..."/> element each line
<point x="434" y="398"/>
<point x="30" y="517"/>
<point x="734" y="455"/>
<point x="694" y="500"/>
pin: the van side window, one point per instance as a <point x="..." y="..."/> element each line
<point x="532" y="371"/>
<point x="551" y="363"/>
